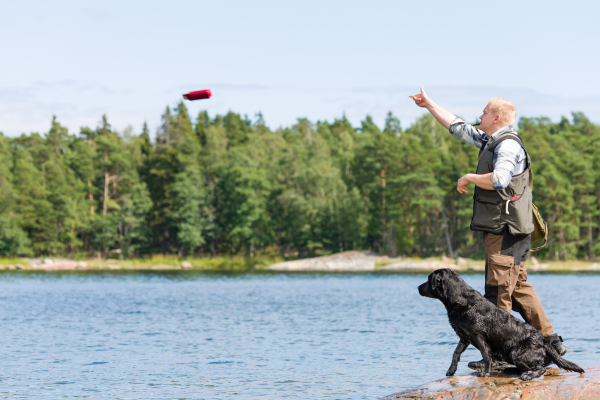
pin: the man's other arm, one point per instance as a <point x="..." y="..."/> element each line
<point x="507" y="156"/>
<point x="483" y="181"/>
<point x="509" y="160"/>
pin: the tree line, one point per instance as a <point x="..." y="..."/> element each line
<point x="230" y="185"/>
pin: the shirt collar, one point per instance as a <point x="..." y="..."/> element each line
<point x="500" y="131"/>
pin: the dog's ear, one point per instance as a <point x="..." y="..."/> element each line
<point x="442" y="279"/>
<point x="437" y="283"/>
<point x="450" y="288"/>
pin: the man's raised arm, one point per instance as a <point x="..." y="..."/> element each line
<point x="444" y="117"/>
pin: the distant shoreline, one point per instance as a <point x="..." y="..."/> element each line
<point x="350" y="261"/>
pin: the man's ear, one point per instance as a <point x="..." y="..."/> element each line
<point x="497" y="119"/>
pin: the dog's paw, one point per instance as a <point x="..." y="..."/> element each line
<point x="451" y="372"/>
<point x="525" y="377"/>
<point x="483" y="374"/>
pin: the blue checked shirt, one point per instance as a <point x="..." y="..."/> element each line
<point x="509" y="157"/>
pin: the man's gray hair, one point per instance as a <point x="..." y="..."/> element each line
<point x="503" y="108"/>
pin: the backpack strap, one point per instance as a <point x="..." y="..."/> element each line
<point x="499" y="140"/>
<point x="530" y="180"/>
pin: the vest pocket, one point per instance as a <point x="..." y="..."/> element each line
<point x="487" y="214"/>
<point x="500" y="270"/>
<point x="520" y="217"/>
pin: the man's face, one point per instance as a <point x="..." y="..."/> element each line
<point x="487" y="121"/>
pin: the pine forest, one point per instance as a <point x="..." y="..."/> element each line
<point x="229" y="185"/>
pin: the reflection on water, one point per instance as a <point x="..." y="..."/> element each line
<point x="187" y="335"/>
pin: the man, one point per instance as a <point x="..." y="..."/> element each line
<point x="501" y="209"/>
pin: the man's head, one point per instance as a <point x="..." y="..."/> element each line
<point x="496" y="115"/>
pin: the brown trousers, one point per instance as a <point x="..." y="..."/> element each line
<point x="506" y="279"/>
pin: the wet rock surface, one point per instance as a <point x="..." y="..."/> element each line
<point x="555" y="384"/>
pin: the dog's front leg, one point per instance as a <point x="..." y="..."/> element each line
<point x="486" y="352"/>
<point x="460" y="348"/>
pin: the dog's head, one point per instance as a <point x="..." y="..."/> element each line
<point x="439" y="284"/>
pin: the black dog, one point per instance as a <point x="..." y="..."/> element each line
<point x="491" y="329"/>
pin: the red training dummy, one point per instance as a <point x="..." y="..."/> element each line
<point x="200" y="94"/>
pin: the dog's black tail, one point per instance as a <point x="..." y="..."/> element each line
<point x="561" y="362"/>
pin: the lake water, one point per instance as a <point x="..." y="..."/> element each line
<point x="190" y="335"/>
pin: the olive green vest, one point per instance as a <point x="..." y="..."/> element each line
<point x="510" y="207"/>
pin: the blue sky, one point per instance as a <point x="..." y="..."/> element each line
<point x="316" y="59"/>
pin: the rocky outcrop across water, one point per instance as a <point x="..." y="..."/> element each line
<point x="555" y="384"/>
<point x="364" y="261"/>
<point x="350" y="261"/>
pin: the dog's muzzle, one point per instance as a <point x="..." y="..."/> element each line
<point x="424" y="290"/>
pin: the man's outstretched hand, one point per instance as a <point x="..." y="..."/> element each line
<point x="421" y="99"/>
<point x="443" y="117"/>
<point x="483" y="181"/>
<point x="461" y="185"/>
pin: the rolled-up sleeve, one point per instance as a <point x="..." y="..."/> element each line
<point x="467" y="133"/>
<point x="506" y="157"/>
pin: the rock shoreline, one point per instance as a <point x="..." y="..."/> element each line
<point x="555" y="384"/>
<point x="48" y="264"/>
<point x="348" y="261"/>
<point x="364" y="261"/>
